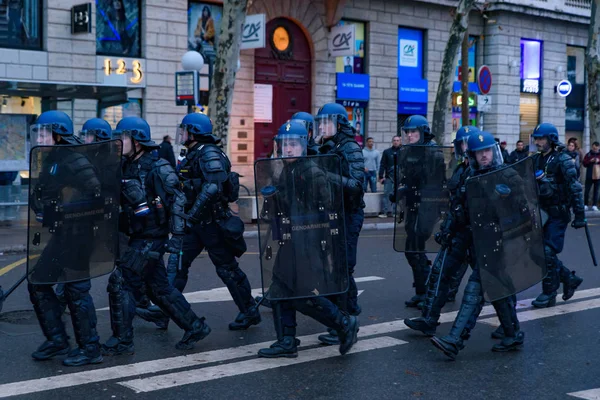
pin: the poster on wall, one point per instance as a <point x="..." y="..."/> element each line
<point x="263" y="103"/>
<point x="112" y="115"/>
<point x="118" y="27"/>
<point x="353" y="64"/>
<point x="14" y="149"/>
<point x="356" y="117"/>
<point x="204" y="25"/>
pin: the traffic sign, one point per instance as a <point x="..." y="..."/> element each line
<point x="564" y="88"/>
<point x="484" y="79"/>
<point x="484" y="103"/>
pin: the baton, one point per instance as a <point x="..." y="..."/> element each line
<point x="12" y="289"/>
<point x="589" y="240"/>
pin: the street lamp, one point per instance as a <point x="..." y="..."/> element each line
<point x="192" y="61"/>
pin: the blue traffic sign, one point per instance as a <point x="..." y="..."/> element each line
<point x="564" y="88"/>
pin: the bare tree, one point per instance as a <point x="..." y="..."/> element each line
<point x="457" y="33"/>
<point x="228" y="54"/>
<point x="593" y="69"/>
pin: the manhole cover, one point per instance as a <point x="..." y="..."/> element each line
<point x="19" y="317"/>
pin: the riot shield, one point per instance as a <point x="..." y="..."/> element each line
<point x="422" y="196"/>
<point x="301" y="227"/>
<point x="507" y="229"/>
<point x="73" y="219"/>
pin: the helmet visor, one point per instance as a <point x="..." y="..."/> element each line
<point x="290" y="146"/>
<point x="326" y="127"/>
<point x="182" y="135"/>
<point x="411" y="136"/>
<point x="486" y="158"/>
<point x="539" y="143"/>
<point x="41" y="135"/>
<point x="88" y="136"/>
<point x="460" y="148"/>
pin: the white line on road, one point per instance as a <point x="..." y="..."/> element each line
<point x="248" y="366"/>
<point x="230" y="354"/>
<point x="592" y="394"/>
<point x="222" y="294"/>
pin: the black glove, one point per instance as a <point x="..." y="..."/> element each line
<point x="442" y="238"/>
<point x="579" y="221"/>
<point x="175" y="244"/>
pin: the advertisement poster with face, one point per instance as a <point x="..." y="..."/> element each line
<point x="118" y="27"/>
<point x="204" y="25"/>
<point x="353" y="65"/>
<point x="356" y="117"/>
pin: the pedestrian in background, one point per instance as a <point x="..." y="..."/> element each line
<point x="372" y="160"/>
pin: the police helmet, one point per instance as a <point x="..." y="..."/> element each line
<point x="484" y="152"/>
<point x="196" y="127"/>
<point x="95" y="130"/>
<point x="137" y="129"/>
<point x="291" y="140"/>
<point x="416" y="122"/>
<point x="53" y="124"/>
<point x="331" y="119"/>
<point x="461" y="139"/>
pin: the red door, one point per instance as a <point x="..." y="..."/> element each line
<point x="288" y="71"/>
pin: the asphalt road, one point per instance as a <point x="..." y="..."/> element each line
<point x="560" y="355"/>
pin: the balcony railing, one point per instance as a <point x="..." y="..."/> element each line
<point x="581" y="8"/>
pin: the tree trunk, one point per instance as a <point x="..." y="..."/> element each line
<point x="228" y="54"/>
<point x="457" y="30"/>
<point x="464" y="56"/>
<point x="593" y="70"/>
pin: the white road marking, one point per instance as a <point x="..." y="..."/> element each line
<point x="249" y="366"/>
<point x="222" y="294"/>
<point x="230" y="354"/>
<point x="560" y="309"/>
<point x="592" y="394"/>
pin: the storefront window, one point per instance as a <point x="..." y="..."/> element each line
<point x="133" y="108"/>
<point x="21" y="24"/>
<point x="575" y="101"/>
<point x="531" y="85"/>
<point x="118" y="28"/>
<point x="355" y="64"/>
<point x="204" y="26"/>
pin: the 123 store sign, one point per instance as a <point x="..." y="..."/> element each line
<point x="121" y="71"/>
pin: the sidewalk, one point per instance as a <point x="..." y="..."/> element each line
<point x="13" y="238"/>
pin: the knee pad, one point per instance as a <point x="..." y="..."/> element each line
<point x="76" y="292"/>
<point x="551" y="259"/>
<point x="115" y="281"/>
<point x="230" y="272"/>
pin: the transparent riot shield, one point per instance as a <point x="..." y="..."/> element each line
<point x="422" y="196"/>
<point x="507" y="229"/>
<point x="73" y="211"/>
<point x="301" y="227"/>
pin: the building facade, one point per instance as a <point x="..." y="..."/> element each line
<point x="384" y="66"/>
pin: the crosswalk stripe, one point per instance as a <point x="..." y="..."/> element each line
<point x="592" y="394"/>
<point x="222" y="293"/>
<point x="230" y="354"/>
<point x="249" y="366"/>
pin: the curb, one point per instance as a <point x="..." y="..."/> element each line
<point x="20" y="248"/>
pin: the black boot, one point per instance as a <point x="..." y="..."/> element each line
<point x="264" y="302"/>
<point x="513" y="339"/>
<point x="153" y="314"/>
<point x="470" y="308"/>
<point x="352" y="305"/>
<point x="286" y="344"/>
<point x="499" y="332"/>
<point x="348" y="332"/>
<point x="425" y="325"/>
<point x="548" y="296"/>
<point x="331" y="338"/>
<point x="237" y="283"/>
<point x="48" y="312"/>
<point x="570" y="283"/>
<point x="121" y="304"/>
<point x="179" y="310"/>
<point x="420" y="267"/>
<point x="83" y="316"/>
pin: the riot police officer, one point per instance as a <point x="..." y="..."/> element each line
<point x="60" y="169"/>
<point x="152" y="207"/>
<point x="302" y="266"/>
<point x="415" y="169"/>
<point x="455" y="238"/>
<point x="336" y="136"/>
<point x="484" y="156"/>
<point x="95" y="130"/>
<point x="209" y="186"/>
<point x="559" y="190"/>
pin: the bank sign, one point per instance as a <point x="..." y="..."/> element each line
<point x="353" y="87"/>
<point x="412" y="88"/>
